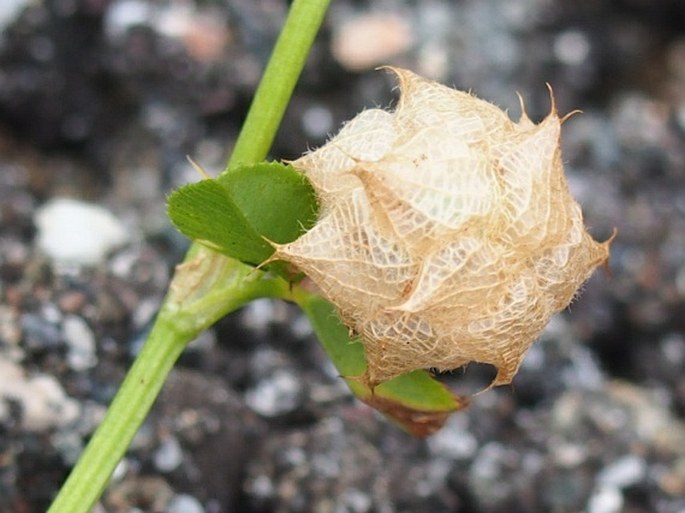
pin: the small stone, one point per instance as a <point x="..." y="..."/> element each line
<point x="571" y="47"/>
<point x="275" y="395"/>
<point x="121" y="470"/>
<point x="39" y="333"/>
<point x="453" y="441"/>
<point x="261" y="487"/>
<point x="605" y="500"/>
<point x="356" y="501"/>
<point x="184" y="503"/>
<point x="9" y="10"/>
<point x="258" y="314"/>
<point x="74" y="232"/>
<point x="371" y="39"/>
<point x="80" y="340"/>
<point x="123" y="15"/>
<point x="673" y="348"/>
<point x="168" y="455"/>
<point x="301" y="327"/>
<point x="317" y="121"/>
<point x="623" y="472"/>
<point x="569" y="455"/>
<point x="152" y="492"/>
<point x="42" y="400"/>
<point x="69" y="444"/>
<point x="488" y="475"/>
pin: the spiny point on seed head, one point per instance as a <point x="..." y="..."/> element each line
<point x="552" y="100"/>
<point x="523" y="119"/>
<point x="567" y="116"/>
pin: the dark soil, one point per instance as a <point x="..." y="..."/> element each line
<point x="102" y="100"/>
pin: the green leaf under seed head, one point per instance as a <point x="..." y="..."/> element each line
<point x="236" y="211"/>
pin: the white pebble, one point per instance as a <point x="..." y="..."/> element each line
<point x="76" y="232"/>
<point x="183" y="503"/>
<point x="43" y="403"/>
<point x="81" y="342"/>
<point x="125" y="14"/>
<point x="120" y="470"/>
<point x="275" y="395"/>
<point x="258" y="314"/>
<point x="9" y="10"/>
<point x="454" y="441"/>
<point x="317" y="121"/>
<point x="605" y="500"/>
<point x="624" y="472"/>
<point x="301" y="327"/>
<point x="356" y="500"/>
<point x="168" y="455"/>
<point x="261" y="487"/>
<point x="572" y="47"/>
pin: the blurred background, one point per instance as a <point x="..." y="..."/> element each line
<point x="100" y="103"/>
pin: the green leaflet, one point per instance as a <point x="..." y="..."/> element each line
<point x="277" y="200"/>
<point x="234" y="213"/>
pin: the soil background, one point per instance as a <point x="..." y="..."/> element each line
<point x="102" y="100"/>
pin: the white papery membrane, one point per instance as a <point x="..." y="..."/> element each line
<point x="447" y="231"/>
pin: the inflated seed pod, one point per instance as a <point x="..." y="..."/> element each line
<point x="447" y="231"/>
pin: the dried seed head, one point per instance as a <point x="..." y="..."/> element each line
<point x="447" y="234"/>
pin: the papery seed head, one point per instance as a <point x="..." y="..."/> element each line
<point x="447" y="233"/>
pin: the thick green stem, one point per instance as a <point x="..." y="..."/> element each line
<point x="204" y="288"/>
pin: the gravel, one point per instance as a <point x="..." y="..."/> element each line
<point x="99" y="104"/>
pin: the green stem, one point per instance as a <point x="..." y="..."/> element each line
<point x="181" y="319"/>
<point x="124" y="416"/>
<point x="205" y="287"/>
<point x="278" y="81"/>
